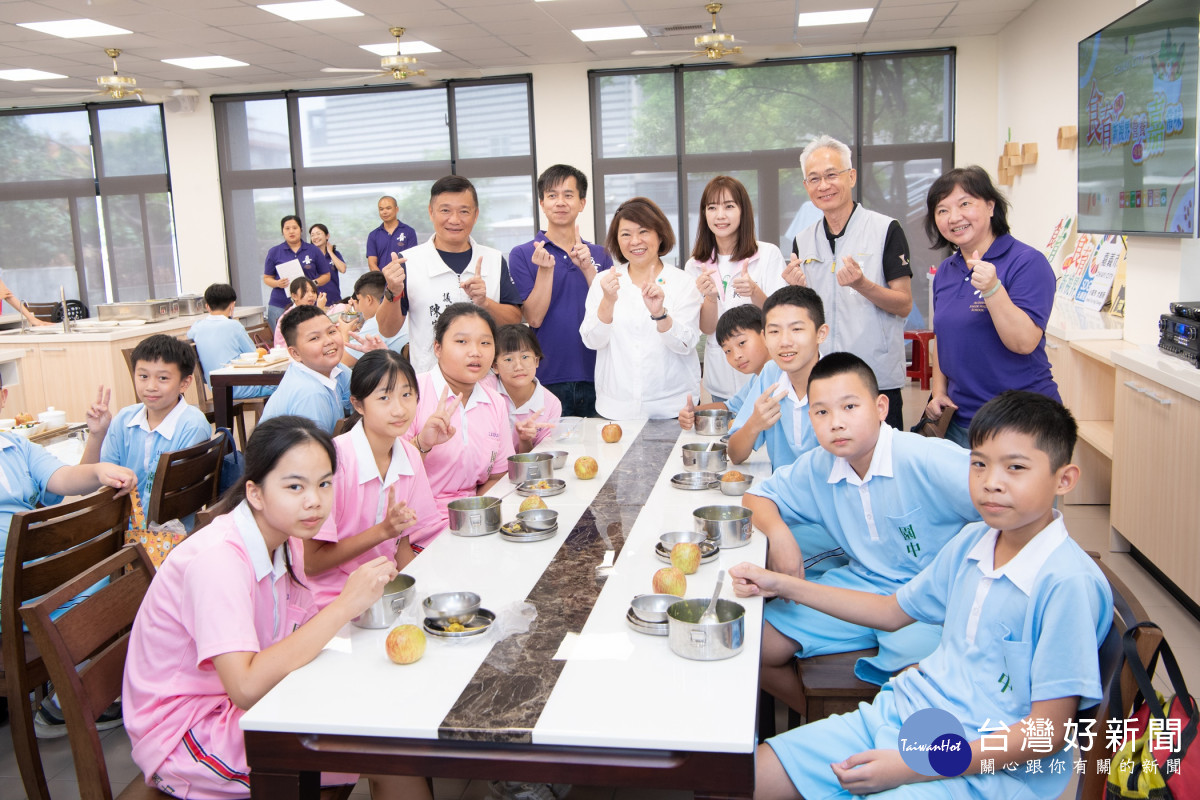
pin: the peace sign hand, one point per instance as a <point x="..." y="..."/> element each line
<point x="476" y="287"/>
<point x="438" y="427"/>
<point x="397" y="516"/>
<point x="98" y="415"/>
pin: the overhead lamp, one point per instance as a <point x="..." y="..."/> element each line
<point x="28" y="75"/>
<point x="205" y="62"/>
<point x="74" y="28"/>
<point x="610" y="34"/>
<point x="311" y="10"/>
<point x="847" y="17"/>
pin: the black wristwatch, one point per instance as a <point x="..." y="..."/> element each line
<point x="665" y="314"/>
<point x="391" y="296"/>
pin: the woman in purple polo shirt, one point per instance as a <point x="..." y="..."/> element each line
<point x="991" y="300"/>
<point x="293" y="248"/>
<point x="318" y="234"/>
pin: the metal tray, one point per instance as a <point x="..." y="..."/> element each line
<point x="695" y="481"/>
<point x="649" y="628"/>
<point x="708" y="551"/>
<point x="148" y="310"/>
<point x="557" y="486"/>
<point x="515" y="532"/>
<point x="480" y="624"/>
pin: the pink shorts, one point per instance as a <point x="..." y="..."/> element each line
<point x="210" y="762"/>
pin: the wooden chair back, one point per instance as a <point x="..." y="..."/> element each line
<point x="346" y="423"/>
<point x="46" y="312"/>
<point x="127" y="352"/>
<point x="262" y="335"/>
<point x="186" y="481"/>
<point x="203" y="398"/>
<point x="1126" y="612"/>
<point x="45" y="549"/>
<point x="95" y="633"/>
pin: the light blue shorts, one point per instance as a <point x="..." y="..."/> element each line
<point x="806" y="753"/>
<point x="817" y="633"/>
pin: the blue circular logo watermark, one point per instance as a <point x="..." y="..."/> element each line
<point x="933" y="742"/>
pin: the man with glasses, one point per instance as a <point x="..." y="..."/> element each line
<point x="858" y="261"/>
<point x="450" y="267"/>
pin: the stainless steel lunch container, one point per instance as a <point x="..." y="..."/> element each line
<point x="149" y="310"/>
<point x="396" y="597"/>
<point x="711" y="642"/>
<point x="474" y="516"/>
<point x="699" y="457"/>
<point x="728" y="526"/>
<point x="530" y="467"/>
<point x="713" y="422"/>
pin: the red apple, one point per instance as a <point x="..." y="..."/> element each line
<point x="670" y="580"/>
<point x="586" y="468"/>
<point x="686" y="556"/>
<point x="405" y="644"/>
<point x="611" y="432"/>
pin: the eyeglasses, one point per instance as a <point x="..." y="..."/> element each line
<point x="828" y="177"/>
<point x="523" y="359"/>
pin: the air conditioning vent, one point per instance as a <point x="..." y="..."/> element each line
<point x="681" y="29"/>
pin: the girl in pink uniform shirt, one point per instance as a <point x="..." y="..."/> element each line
<point x="462" y="428"/>
<point x="532" y="410"/>
<point x="226" y="618"/>
<point x="382" y="503"/>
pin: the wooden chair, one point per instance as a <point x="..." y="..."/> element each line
<point x="346" y="423"/>
<point x="205" y="402"/>
<point x="830" y="685"/>
<point x="94" y="633"/>
<point x="1127" y="611"/>
<point x="46" y="548"/>
<point x="186" y="481"/>
<point x="262" y="335"/>
<point x="127" y="352"/>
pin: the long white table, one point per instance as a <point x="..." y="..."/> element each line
<point x="611" y="707"/>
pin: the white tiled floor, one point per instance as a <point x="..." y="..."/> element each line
<point x="1087" y="524"/>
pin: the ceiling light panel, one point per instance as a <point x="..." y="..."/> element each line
<point x="414" y="48"/>
<point x="205" y="62"/>
<point x="610" y="34"/>
<point x="311" y="10"/>
<point x="849" y="16"/>
<point x="74" y="28"/>
<point x="28" y="75"/>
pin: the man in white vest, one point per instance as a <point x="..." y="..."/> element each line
<point x="451" y="267"/>
<point x="858" y="261"/>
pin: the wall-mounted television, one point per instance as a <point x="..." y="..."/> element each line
<point x="1137" y="122"/>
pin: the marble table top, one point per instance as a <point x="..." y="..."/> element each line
<point x="579" y="675"/>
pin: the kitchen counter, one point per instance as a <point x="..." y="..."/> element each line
<point x="1071" y="323"/>
<point x="1150" y="363"/>
<point x="248" y="315"/>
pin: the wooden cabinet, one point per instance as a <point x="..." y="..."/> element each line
<point x="1156" y="469"/>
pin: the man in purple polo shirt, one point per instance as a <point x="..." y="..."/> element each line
<point x="392" y="236"/>
<point x="552" y="274"/>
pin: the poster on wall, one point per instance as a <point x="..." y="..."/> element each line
<point x="1058" y="237"/>
<point x="1074" y="266"/>
<point x="1098" y="278"/>
<point x="1137" y="122"/>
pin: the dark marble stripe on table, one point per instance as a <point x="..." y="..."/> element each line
<point x="506" y="695"/>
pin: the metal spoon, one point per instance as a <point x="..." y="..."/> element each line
<point x="709" y="617"/>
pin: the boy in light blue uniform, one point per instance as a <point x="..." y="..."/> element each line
<point x="890" y="500"/>
<point x="316" y="385"/>
<point x="1023" y="611"/>
<point x="368" y="297"/>
<point x="740" y="335"/>
<point x="162" y="423"/>
<point x="793" y="328"/>
<point x="220" y="338"/>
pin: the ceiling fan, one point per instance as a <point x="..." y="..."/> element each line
<point x="400" y="67"/>
<point x="718" y="46"/>
<point x="112" y="87"/>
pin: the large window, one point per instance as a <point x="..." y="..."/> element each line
<point x="85" y="204"/>
<point x="330" y="156"/>
<point x="665" y="133"/>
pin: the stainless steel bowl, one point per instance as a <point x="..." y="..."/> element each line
<point x="447" y="608"/>
<point x="713" y="422"/>
<point x="704" y="457"/>
<point x="736" y="488"/>
<point x="652" y="607"/>
<point x="538" y="519"/>
<point x="711" y="642"/>
<point x="529" y="467"/>
<point x="558" y="458"/>
<point x="672" y="538"/>
<point x="474" y="516"/>
<point x="395" y="598"/>
<point x="728" y="526"/>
